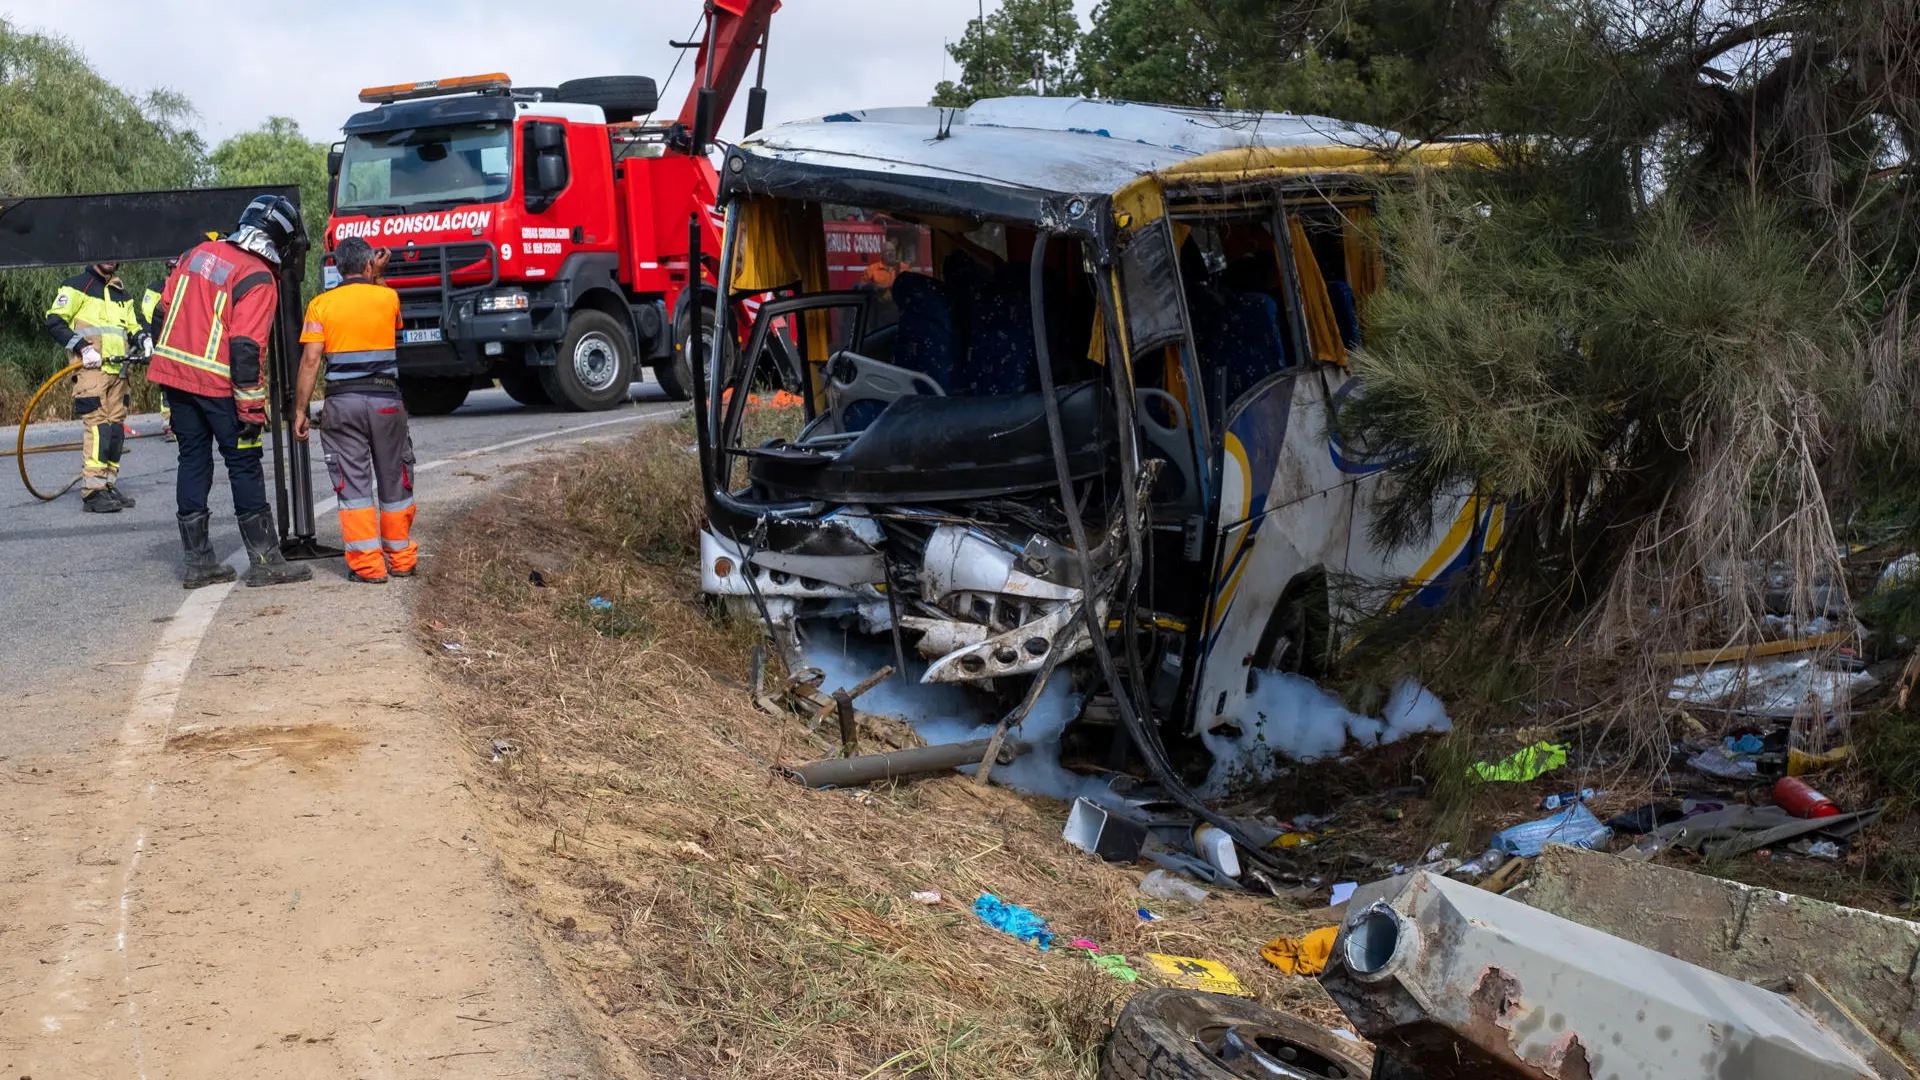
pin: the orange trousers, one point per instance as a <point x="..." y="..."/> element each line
<point x="370" y="460"/>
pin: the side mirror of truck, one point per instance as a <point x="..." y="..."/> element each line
<point x="335" y="155"/>
<point x="547" y="172"/>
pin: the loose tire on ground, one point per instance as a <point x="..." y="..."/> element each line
<point x="524" y="386"/>
<point x="621" y="97"/>
<point x="435" y="395"/>
<point x="596" y="363"/>
<point x="1177" y="1035"/>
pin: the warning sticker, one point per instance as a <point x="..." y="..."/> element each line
<point x="1196" y="974"/>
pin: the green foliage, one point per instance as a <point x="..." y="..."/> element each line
<point x="1152" y="50"/>
<point x="64" y="129"/>
<point x="1024" y="47"/>
<point x="277" y="153"/>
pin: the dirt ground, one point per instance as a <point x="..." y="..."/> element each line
<point x="718" y="919"/>
<point x="278" y="873"/>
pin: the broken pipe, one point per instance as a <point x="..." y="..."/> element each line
<point x="853" y="772"/>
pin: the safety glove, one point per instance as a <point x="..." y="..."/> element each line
<point x="90" y="357"/>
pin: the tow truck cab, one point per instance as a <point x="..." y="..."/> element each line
<point x="527" y="245"/>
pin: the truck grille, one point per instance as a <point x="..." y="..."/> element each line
<point x="418" y="267"/>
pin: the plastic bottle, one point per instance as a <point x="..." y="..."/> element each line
<point x="1798" y="798"/>
<point x="1166" y="885"/>
<point x="1555" y="802"/>
<point x="1217" y="848"/>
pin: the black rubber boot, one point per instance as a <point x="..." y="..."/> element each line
<point x="203" y="567"/>
<point x="265" y="564"/>
<point x="100" y="501"/>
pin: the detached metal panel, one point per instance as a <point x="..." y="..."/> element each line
<point x="73" y="230"/>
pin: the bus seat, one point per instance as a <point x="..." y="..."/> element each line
<point x="923" y="339"/>
<point x="1000" y="352"/>
<point x="1346" y="314"/>
<point x="1246" y="341"/>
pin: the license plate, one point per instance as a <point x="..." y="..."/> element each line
<point x="421" y="337"/>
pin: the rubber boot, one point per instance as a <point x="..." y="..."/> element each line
<point x="203" y="567"/>
<point x="100" y="501"/>
<point x="265" y="564"/>
<point x="121" y="497"/>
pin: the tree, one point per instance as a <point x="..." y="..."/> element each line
<point x="277" y="153"/>
<point x="66" y="130"/>
<point x="1024" y="47"/>
<point x="1153" y="50"/>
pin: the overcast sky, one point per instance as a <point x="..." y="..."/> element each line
<point x="241" y="64"/>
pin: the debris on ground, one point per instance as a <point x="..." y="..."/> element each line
<point x="1303" y="955"/>
<point x="1525" y="764"/>
<point x="1165" y="885"/>
<point x="1575" y="826"/>
<point x="1198" y="974"/>
<point x="1013" y="920"/>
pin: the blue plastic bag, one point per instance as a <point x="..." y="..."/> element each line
<point x="1013" y="919"/>
<point x="1575" y="827"/>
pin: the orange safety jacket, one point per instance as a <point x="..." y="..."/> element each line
<point x="214" y="320"/>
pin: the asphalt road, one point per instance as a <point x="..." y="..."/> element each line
<point x="84" y="597"/>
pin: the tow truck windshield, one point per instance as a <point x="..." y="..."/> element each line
<point x="418" y="168"/>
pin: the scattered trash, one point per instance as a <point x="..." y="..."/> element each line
<point x="1345" y="1034"/>
<point x="1166" y="885"/>
<point x="1575" y="826"/>
<point x="1745" y="744"/>
<point x="1343" y="892"/>
<point x="1195" y="867"/>
<point x="1436" y="852"/>
<point x="1392" y="813"/>
<point x="1304" y="955"/>
<point x="1823" y="849"/>
<point x="1197" y="974"/>
<point x="1083" y="943"/>
<point x="1715" y="761"/>
<point x="1098" y="831"/>
<point x="1568" y="798"/>
<point x="1217" y="848"/>
<point x="536" y="579"/>
<point x="1114" y="964"/>
<point x="1644" y="819"/>
<point x="1799" y="798"/>
<point x="1778" y="689"/>
<point x="1013" y="920"/>
<point x="1508" y="875"/>
<point x="600" y="603"/>
<point x="692" y="850"/>
<point x="502" y="749"/>
<point x="928" y="896"/>
<point x="1293" y="840"/>
<point x="452" y="646"/>
<point x="1525" y="764"/>
<point x="1486" y="863"/>
<point x="1901" y="571"/>
<point x="1145" y="915"/>
<point x="1800" y="762"/>
<point x="1310" y="822"/>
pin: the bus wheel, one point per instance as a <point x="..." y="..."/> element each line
<point x="434" y="396"/>
<point x="596" y="364"/>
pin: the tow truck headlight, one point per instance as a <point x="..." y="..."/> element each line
<point x="504" y="301"/>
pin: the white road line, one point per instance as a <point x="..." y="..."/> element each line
<point x="165" y="677"/>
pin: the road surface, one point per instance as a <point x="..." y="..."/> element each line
<point x="88" y="595"/>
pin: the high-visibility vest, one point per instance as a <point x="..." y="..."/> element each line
<point x="219" y="293"/>
<point x="90" y="310"/>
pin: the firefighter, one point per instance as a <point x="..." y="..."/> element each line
<point x="215" y="317"/>
<point x="95" y="320"/>
<point x="150" y="300"/>
<point x="363" y="425"/>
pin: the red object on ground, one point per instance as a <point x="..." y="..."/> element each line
<point x="1801" y="800"/>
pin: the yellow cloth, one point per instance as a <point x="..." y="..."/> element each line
<point x="1366" y="272"/>
<point x="783" y="245"/>
<point x="1323" y="332"/>
<point x="1305" y="955"/>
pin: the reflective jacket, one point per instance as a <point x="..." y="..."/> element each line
<point x="150" y="300"/>
<point x="215" y="317"/>
<point x="90" y="309"/>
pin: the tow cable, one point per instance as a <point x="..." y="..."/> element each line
<point x="20" y="451"/>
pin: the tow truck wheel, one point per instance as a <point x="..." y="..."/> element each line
<point x="524" y="386"/>
<point x="675" y="373"/>
<point x="434" y="396"/>
<point x="596" y="364"/>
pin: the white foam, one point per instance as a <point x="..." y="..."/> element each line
<point x="1289" y="717"/>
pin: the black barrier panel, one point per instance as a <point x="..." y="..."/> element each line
<point x="72" y="230"/>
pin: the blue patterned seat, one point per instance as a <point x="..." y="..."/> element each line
<point x="1245" y="340"/>
<point x="1000" y="352"/>
<point x="925" y="335"/>
<point x="1345" y="312"/>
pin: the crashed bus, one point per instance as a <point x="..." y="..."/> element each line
<point x="1098" y="440"/>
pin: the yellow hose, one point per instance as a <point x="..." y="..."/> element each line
<point x="20" y="448"/>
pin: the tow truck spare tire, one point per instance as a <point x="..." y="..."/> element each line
<point x="621" y="97"/>
<point x="675" y="373"/>
<point x="434" y="395"/>
<point x="596" y="363"/>
<point x="1190" y="1035"/>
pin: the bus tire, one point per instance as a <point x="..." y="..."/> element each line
<point x="596" y="363"/>
<point x="434" y="395"/>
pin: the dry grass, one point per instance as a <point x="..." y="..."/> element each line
<point x="720" y="919"/>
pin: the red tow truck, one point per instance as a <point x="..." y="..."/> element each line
<point x="540" y="234"/>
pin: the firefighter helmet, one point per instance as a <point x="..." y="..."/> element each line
<point x="272" y="218"/>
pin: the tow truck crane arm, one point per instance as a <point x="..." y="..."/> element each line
<point x="735" y="30"/>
